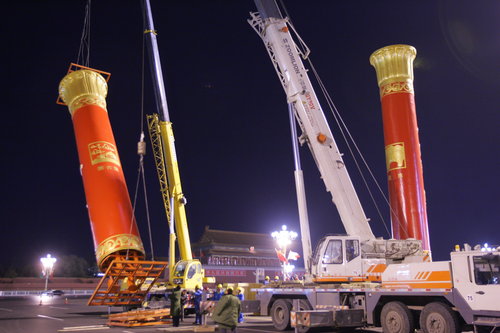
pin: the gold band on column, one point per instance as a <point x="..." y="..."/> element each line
<point x="117" y="243"/>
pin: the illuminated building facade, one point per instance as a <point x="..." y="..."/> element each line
<point x="234" y="256"/>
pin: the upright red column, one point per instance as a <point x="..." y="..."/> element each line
<point x="112" y="221"/>
<point x="394" y="67"/>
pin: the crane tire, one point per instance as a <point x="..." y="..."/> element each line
<point x="437" y="317"/>
<point x="280" y="314"/>
<point x="397" y="318"/>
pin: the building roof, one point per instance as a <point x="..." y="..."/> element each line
<point x="236" y="238"/>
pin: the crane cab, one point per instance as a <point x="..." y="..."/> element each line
<point x="476" y="276"/>
<point x="187" y="274"/>
<point x="337" y="259"/>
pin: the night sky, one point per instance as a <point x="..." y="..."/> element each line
<point x="230" y="116"/>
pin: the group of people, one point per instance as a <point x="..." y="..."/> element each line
<point x="227" y="312"/>
<point x="293" y="277"/>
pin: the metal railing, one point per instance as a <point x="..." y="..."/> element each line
<point x="16" y="293"/>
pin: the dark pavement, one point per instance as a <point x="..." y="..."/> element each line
<point x="71" y="314"/>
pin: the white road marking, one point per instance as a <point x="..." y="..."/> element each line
<point x="48" y="317"/>
<point x="84" y="328"/>
<point x="57" y="307"/>
<point x="3" y="309"/>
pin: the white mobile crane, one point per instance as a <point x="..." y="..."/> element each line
<point x="410" y="291"/>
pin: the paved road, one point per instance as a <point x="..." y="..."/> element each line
<point x="71" y="314"/>
<point x="65" y="314"/>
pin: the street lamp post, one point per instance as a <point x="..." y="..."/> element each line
<point x="284" y="238"/>
<point x="48" y="265"/>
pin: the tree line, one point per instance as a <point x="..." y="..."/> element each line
<point x="66" y="266"/>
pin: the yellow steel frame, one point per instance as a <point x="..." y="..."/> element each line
<point x="162" y="140"/>
<point x="158" y="155"/>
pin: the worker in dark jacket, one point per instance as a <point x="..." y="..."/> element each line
<point x="226" y="312"/>
<point x="175" y="305"/>
<point x="197" y="295"/>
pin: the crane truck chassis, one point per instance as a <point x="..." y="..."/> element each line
<point x="467" y="300"/>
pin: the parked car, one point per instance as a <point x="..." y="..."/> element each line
<point x="57" y="292"/>
<point x="54" y="292"/>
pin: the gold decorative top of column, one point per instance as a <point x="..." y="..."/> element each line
<point x="83" y="87"/>
<point x="394" y="67"/>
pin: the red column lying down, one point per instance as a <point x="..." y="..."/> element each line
<point x="394" y="67"/>
<point x="111" y="217"/>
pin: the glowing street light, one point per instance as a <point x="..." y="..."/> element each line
<point x="48" y="266"/>
<point x="284" y="239"/>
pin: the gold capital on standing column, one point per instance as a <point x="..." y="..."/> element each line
<point x="394" y="67"/>
<point x="83" y="87"/>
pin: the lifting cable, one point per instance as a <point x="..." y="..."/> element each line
<point x="83" y="57"/>
<point x="344" y="129"/>
<point x="342" y="125"/>
<point x="141" y="151"/>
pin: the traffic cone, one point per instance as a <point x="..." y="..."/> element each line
<point x="66" y="300"/>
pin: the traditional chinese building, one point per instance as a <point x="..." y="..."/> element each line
<point x="234" y="256"/>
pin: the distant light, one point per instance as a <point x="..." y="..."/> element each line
<point x="48" y="265"/>
<point x="48" y="262"/>
<point x="284" y="237"/>
<point x="486" y="248"/>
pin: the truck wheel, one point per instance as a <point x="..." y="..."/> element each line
<point x="280" y="313"/>
<point x="396" y="318"/>
<point x="437" y="317"/>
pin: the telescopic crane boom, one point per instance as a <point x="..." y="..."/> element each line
<point x="187" y="272"/>
<point x="286" y="58"/>
<point x="360" y="244"/>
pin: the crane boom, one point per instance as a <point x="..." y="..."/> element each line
<point x="286" y="58"/>
<point x="187" y="272"/>
<point x="167" y="139"/>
